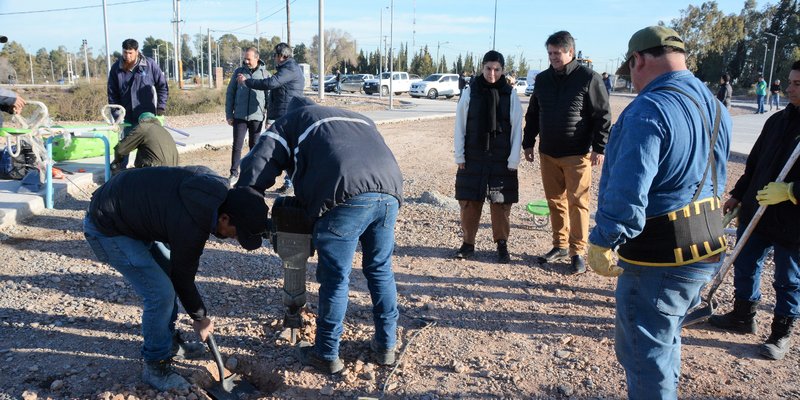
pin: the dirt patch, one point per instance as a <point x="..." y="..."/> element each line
<point x="70" y="326"/>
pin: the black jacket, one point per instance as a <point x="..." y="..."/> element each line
<point x="570" y="111"/>
<point x="486" y="174"/>
<point x="172" y="205"/>
<point x="154" y="146"/>
<point x="286" y="84"/>
<point x="779" y="137"/>
<point x="330" y="154"/>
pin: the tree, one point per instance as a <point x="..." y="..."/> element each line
<point x="41" y="66"/>
<point x="339" y="46"/>
<point x="469" y="64"/>
<point x="186" y="52"/>
<point x="422" y="63"/>
<point x="523" y="66"/>
<point x="511" y="66"/>
<point x="18" y="61"/>
<point x="300" y="53"/>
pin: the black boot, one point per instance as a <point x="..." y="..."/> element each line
<point x="502" y="252"/>
<point x="780" y="339"/>
<point x="741" y="320"/>
<point x="465" y="252"/>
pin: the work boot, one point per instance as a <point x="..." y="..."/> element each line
<point x="741" y="320"/>
<point x="502" y="252"/>
<point x="577" y="264"/>
<point x="307" y="356"/>
<point x="161" y="375"/>
<point x="780" y="339"/>
<point x="465" y="252"/>
<point x="183" y="350"/>
<point x="380" y="355"/>
<point x="553" y="254"/>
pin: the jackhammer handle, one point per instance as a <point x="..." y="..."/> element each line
<point x="212" y="345"/>
<point x="726" y="265"/>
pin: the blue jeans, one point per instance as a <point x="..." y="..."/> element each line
<point x="775" y="99"/>
<point x="747" y="273"/>
<point x="145" y="265"/>
<point x="368" y="218"/>
<point x="651" y="305"/>
<point x="760" y="98"/>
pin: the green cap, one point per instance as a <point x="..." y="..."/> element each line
<point x="148" y="115"/>
<point x="647" y="38"/>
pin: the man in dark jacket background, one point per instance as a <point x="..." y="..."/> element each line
<point x="569" y="109"/>
<point x="778" y="229"/>
<point x="348" y="182"/>
<point x="286" y="84"/>
<point x="245" y="108"/>
<point x="131" y="82"/>
<point x="151" y="225"/>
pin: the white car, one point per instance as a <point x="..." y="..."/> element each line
<point x="521" y="85"/>
<point x="529" y="89"/>
<point x="435" y="85"/>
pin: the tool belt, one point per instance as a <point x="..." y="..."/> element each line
<point x="680" y="237"/>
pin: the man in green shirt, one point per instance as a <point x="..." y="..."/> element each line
<point x="154" y="144"/>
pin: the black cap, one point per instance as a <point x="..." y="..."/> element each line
<point x="3" y="39"/>
<point x="248" y="213"/>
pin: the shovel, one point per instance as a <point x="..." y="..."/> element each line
<point x="230" y="388"/>
<point x="706" y="308"/>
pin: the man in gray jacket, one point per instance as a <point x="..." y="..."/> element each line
<point x="245" y="108"/>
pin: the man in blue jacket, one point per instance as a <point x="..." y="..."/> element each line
<point x="286" y="84"/>
<point x="245" y="108"/>
<point x="131" y="84"/>
<point x="350" y="185"/>
<point x="659" y="206"/>
<point x="151" y="225"/>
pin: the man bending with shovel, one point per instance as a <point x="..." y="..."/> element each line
<point x="658" y="205"/>
<point x="778" y="228"/>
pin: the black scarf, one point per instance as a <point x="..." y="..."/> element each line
<point x="492" y="103"/>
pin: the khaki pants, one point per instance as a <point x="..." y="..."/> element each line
<point x="566" y="183"/>
<point x="471" y="218"/>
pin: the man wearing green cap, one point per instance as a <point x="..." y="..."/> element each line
<point x="659" y="208"/>
<point x="155" y="146"/>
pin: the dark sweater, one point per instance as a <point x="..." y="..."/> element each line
<point x="570" y="111"/>
<point x="153" y="144"/>
<point x="779" y="137"/>
<point x="173" y="205"/>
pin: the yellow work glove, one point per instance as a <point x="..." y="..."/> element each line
<point x="774" y="193"/>
<point x="601" y="262"/>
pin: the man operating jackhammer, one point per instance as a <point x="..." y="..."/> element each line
<point x="132" y="219"/>
<point x="349" y="186"/>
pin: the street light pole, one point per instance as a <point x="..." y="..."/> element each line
<point x="86" y="60"/>
<point x="105" y="29"/>
<point x="774" y="47"/>
<point x="438" y="62"/>
<point x="391" y="64"/>
<point x="52" y="71"/>
<point x="764" y="63"/>
<point x="30" y="60"/>
<point x="494" y="29"/>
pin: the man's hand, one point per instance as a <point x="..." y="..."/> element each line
<point x="597" y="159"/>
<point x="203" y="328"/>
<point x="528" y="154"/>
<point x="601" y="262"/>
<point x="18" y="104"/>
<point x="729" y="205"/>
<point x="776" y="192"/>
<point x="241" y="78"/>
<point x="230" y="122"/>
<point x="462" y="165"/>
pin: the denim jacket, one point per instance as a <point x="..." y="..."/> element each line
<point x="656" y="155"/>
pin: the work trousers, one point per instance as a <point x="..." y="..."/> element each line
<point x="241" y="128"/>
<point x="566" y="183"/>
<point x="471" y="218"/>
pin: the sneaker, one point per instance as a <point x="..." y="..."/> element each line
<point x="232" y="180"/>
<point x="183" y="350"/>
<point x="382" y="356"/>
<point x="578" y="265"/>
<point x="553" y="254"/>
<point x="465" y="252"/>
<point x="307" y="356"/>
<point x="502" y="252"/>
<point x="161" y="375"/>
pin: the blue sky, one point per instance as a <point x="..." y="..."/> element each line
<point x="601" y="28"/>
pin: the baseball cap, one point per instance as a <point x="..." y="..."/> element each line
<point x="3" y="39"/>
<point x="248" y="213"/>
<point x="647" y="38"/>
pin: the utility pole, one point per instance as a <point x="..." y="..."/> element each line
<point x="438" y="61"/>
<point x="210" y="73"/>
<point x="52" y="72"/>
<point x="258" y="38"/>
<point x="391" y="55"/>
<point x="288" y="26"/>
<point x="86" y="60"/>
<point x="30" y="61"/>
<point x="321" y="72"/>
<point x="494" y="29"/>
<point x="774" y="48"/>
<point x="108" y="49"/>
<point x="764" y="64"/>
<point x="200" y="50"/>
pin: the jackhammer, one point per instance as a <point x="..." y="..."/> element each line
<point x="291" y="239"/>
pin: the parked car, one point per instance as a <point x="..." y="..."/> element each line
<point x="328" y="80"/>
<point x="529" y="89"/>
<point x="401" y="83"/>
<point x="414" y="78"/>
<point x="521" y="85"/>
<point x="435" y="85"/>
<point x="355" y="83"/>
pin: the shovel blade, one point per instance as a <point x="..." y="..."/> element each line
<point x="700" y="313"/>
<point x="232" y="388"/>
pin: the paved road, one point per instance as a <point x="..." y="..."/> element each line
<point x="15" y="207"/>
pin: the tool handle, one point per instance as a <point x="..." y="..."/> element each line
<point x="726" y="265"/>
<point x="212" y="345"/>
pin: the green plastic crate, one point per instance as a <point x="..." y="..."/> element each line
<point x="80" y="148"/>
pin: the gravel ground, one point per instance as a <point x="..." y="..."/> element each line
<point x="69" y="326"/>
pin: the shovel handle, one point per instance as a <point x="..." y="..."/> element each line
<point x="726" y="265"/>
<point x="212" y="345"/>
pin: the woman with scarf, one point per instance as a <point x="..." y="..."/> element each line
<point x="488" y="135"/>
